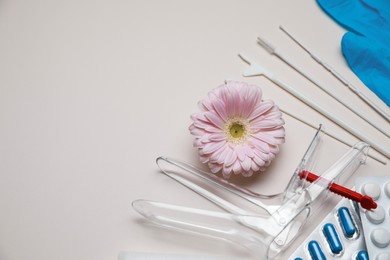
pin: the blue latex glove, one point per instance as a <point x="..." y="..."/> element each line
<point x="367" y="46"/>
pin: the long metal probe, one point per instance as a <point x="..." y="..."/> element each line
<point x="337" y="75"/>
<point x="273" y="51"/>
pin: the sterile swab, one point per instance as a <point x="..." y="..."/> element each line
<point x="273" y="51"/>
<point x="329" y="134"/>
<point x="256" y="70"/>
<point x="337" y="75"/>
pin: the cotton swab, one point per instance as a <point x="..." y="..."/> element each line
<point x="329" y="134"/>
<point x="256" y="70"/>
<point x="273" y="51"/>
<point x="340" y="78"/>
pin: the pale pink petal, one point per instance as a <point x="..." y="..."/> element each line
<point x="260" y="110"/>
<point x="254" y="166"/>
<point x="246" y="164"/>
<point x="259" y="162"/>
<point x="215" y="167"/>
<point x="195" y="131"/>
<point x="231" y="156"/>
<point x="212" y="147"/>
<point x="260" y="145"/>
<point x="247" y="173"/>
<point x="264" y="124"/>
<point x="217" y="137"/>
<point x="240" y="152"/>
<point x="265" y="138"/>
<point x="262" y="155"/>
<point x="214" y="119"/>
<point x="219" y="106"/>
<point x="237" y="167"/>
<point x="204" y="159"/>
<point x="205" y="138"/>
<point x="223" y="155"/>
<point x="212" y="129"/>
<point x="248" y="151"/>
<point x="227" y="170"/>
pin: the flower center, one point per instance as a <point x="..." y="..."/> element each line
<point x="237" y="130"/>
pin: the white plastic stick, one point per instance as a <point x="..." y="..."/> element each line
<point x="256" y="70"/>
<point x="376" y="158"/>
<point x="337" y="75"/>
<point x="273" y="51"/>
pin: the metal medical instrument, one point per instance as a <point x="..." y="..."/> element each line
<point x="337" y="75"/>
<point x="257" y="70"/>
<point x="274" y="220"/>
<point x="274" y="51"/>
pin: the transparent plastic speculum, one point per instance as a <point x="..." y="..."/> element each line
<point x="271" y="223"/>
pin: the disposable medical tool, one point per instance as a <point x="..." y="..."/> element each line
<point x="275" y="221"/>
<point x="256" y="70"/>
<point x="332" y="135"/>
<point x="274" y="51"/>
<point x="337" y="75"/>
<point x="365" y="201"/>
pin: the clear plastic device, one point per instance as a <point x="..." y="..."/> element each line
<point x="274" y="220"/>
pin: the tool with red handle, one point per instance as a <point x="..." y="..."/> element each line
<point x="365" y="201"/>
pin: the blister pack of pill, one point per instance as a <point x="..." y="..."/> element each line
<point x="376" y="223"/>
<point x="338" y="236"/>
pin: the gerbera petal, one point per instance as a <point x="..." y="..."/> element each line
<point x="215" y="167"/>
<point x="248" y="151"/>
<point x="240" y="152"/>
<point x="214" y="119"/>
<point x="247" y="173"/>
<point x="260" y="145"/>
<point x="257" y="125"/>
<point x="246" y="164"/>
<point x="212" y="147"/>
<point x="231" y="156"/>
<point x="254" y="166"/>
<point x="265" y="137"/>
<point x="237" y="167"/>
<point x="219" y="107"/>
<point x="261" y="109"/>
<point x="259" y="162"/>
<point x="217" y="137"/>
<point x="195" y="131"/>
<point x="227" y="170"/>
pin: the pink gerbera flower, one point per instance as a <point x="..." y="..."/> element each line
<point x="236" y="131"/>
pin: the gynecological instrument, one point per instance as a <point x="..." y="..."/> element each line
<point x="272" y="222"/>
<point x="337" y="75"/>
<point x="274" y="51"/>
<point x="332" y="135"/>
<point x="257" y="70"/>
<point x="365" y="201"/>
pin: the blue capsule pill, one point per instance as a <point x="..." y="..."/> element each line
<point x="316" y="251"/>
<point x="346" y="222"/>
<point x="333" y="238"/>
<point x="362" y="255"/>
<point x="298" y="258"/>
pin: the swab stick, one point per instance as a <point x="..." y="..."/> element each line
<point x="256" y="70"/>
<point x="274" y="51"/>
<point x="337" y="75"/>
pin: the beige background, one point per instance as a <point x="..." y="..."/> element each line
<point x="91" y="92"/>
